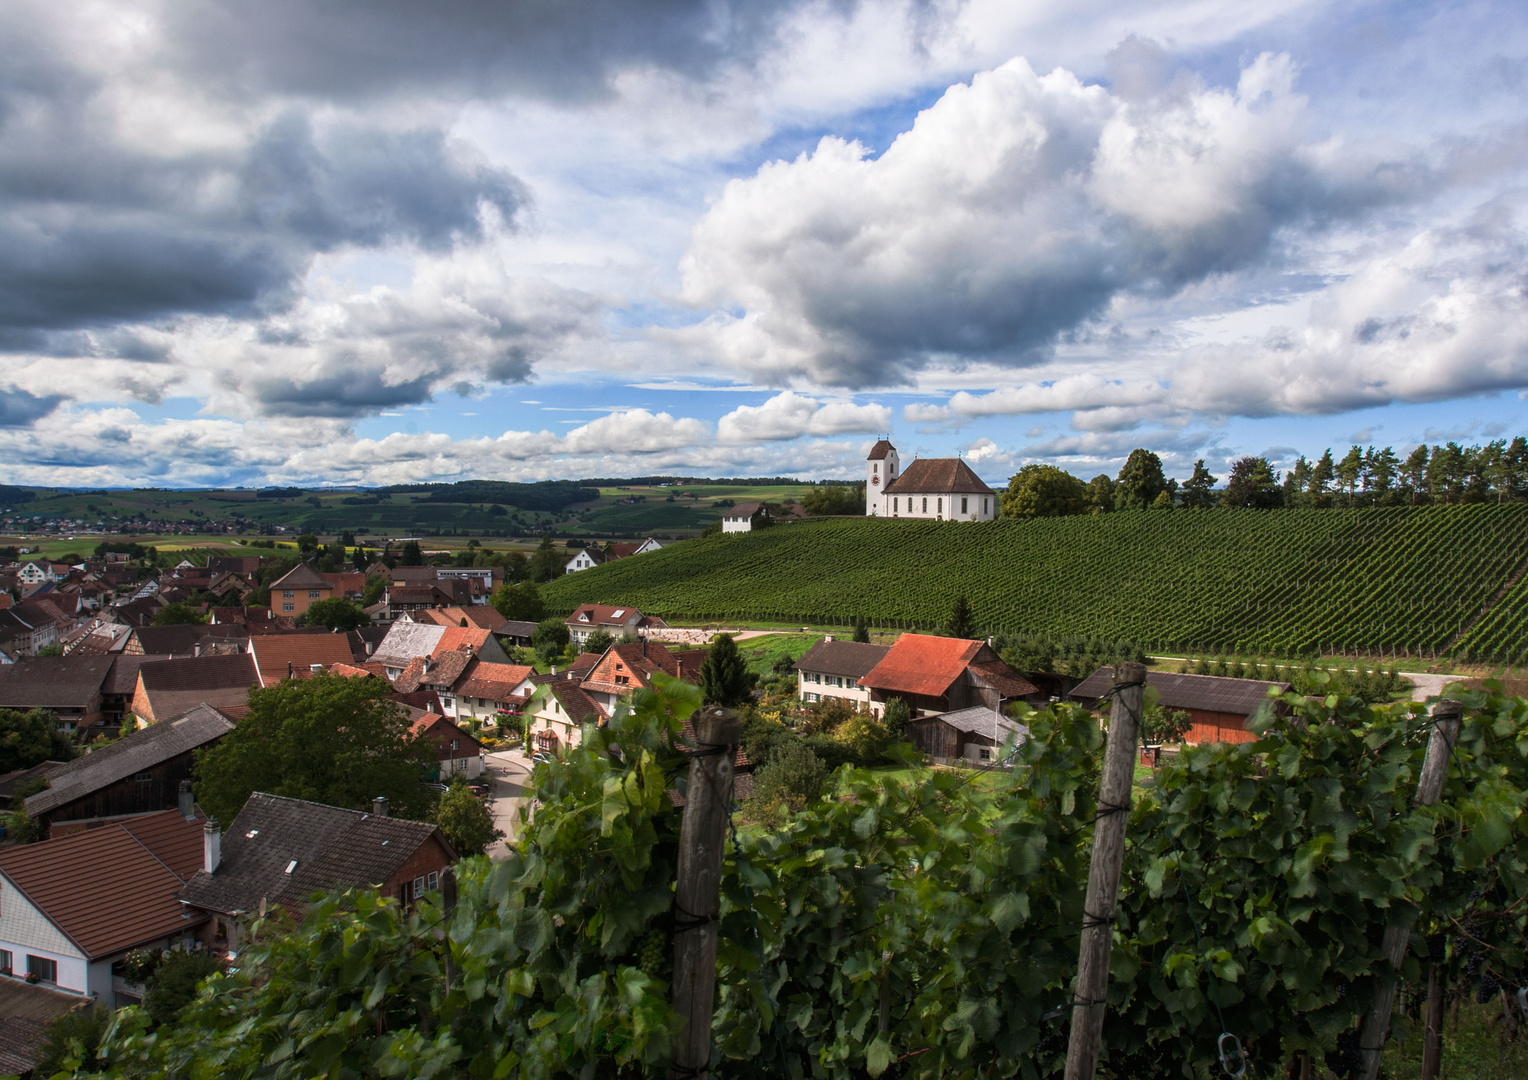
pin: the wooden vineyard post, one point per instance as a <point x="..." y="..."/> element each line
<point x="697" y="892"/>
<point x="448" y="910"/>
<point x="1432" y="1024"/>
<point x="1446" y="715"/>
<point x="1103" y="875"/>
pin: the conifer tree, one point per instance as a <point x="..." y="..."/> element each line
<point x="861" y="629"/>
<point x="724" y="678"/>
<point x="962" y="622"/>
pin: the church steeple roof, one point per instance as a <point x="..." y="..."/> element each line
<point x="881" y="450"/>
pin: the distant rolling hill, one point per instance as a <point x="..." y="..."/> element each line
<point x="1441" y="579"/>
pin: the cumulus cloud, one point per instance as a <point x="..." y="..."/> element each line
<point x="1010" y="215"/>
<point x="635" y="431"/>
<point x="1444" y="316"/>
<point x="788" y="415"/>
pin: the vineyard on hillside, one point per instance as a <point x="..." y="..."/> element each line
<point x="1401" y="582"/>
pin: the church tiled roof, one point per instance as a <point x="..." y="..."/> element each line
<point x="938" y="476"/>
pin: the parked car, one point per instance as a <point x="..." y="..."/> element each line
<point x="542" y="757"/>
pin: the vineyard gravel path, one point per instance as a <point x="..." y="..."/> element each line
<point x="1426" y="686"/>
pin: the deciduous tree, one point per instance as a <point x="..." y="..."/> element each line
<point x="1043" y="491"/>
<point x="827" y="499"/>
<point x="1140" y="481"/>
<point x="326" y="738"/>
<point x="177" y="614"/>
<point x="464" y="819"/>
<point x="521" y="602"/>
<point x="1252" y="485"/>
<point x="336" y="613"/>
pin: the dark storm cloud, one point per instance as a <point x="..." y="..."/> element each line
<point x="20" y="409"/>
<point x="344" y="390"/>
<point x="361" y="49"/>
<point x="94" y="232"/>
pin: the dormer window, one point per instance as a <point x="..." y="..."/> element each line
<point x="583" y="616"/>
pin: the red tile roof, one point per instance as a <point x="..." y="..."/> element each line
<point x="111" y="888"/>
<point x="301" y="576"/>
<point x="933" y="476"/>
<point x="921" y="664"/>
<point x="493" y="682"/>
<point x="459" y="637"/>
<point x="282" y="656"/>
<point x="880" y="451"/>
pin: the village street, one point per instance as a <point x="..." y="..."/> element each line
<point x="506" y="773"/>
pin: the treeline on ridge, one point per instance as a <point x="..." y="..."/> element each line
<point x="1448" y="473"/>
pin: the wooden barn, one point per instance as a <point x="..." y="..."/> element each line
<point x="975" y="735"/>
<point x="136" y="775"/>
<point x="1218" y="708"/>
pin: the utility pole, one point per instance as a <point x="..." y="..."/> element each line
<point x="1128" y="690"/>
<point x="697" y="892"/>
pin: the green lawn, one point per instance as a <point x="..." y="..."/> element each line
<point x="762" y="652"/>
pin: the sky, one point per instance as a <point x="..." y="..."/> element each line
<point x="377" y="241"/>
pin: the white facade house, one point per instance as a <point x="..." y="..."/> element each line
<point x="584" y="560"/>
<point x="62" y="918"/>
<point x="939" y="489"/>
<point x="833" y="669"/>
<point x="739" y="518"/>
<point x="33" y="573"/>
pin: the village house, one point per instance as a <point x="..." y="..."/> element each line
<point x="459" y="752"/>
<point x="561" y="712"/>
<point x="485" y="690"/>
<point x="406" y="640"/>
<point x="944" y="489"/>
<point x="170" y="687"/>
<point x="1218" y="708"/>
<point x="615" y="621"/>
<point x="299" y="589"/>
<point x="833" y="669"/>
<point x="280" y="851"/>
<point x="67" y="686"/>
<point x="624" y="669"/>
<point x="585" y="559"/>
<point x="72" y="906"/>
<point x="940" y="675"/>
<point x="279" y="657"/>
<point x="139" y="774"/>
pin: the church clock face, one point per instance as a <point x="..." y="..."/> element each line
<point x="875" y="479"/>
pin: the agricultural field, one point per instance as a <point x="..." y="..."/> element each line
<point x="475" y="508"/>
<point x="1396" y="583"/>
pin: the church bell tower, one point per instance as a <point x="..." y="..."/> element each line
<point x="881" y="468"/>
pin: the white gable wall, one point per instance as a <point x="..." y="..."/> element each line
<point x="25" y="930"/>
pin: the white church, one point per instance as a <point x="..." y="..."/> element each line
<point x="944" y="489"/>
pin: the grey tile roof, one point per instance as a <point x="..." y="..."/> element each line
<point x="52" y="682"/>
<point x="982" y="721"/>
<point x="407" y="640"/>
<point x="1207" y="693"/>
<point x="855" y="659"/>
<point x="334" y="849"/>
<point x="140" y="751"/>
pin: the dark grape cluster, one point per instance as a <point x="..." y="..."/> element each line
<point x="1485" y="990"/>
<point x="1437" y="947"/>
<point x="1347" y="1060"/>
<point x="653" y="955"/>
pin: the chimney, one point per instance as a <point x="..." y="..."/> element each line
<point x="212" y="846"/>
<point x="379" y="806"/>
<point x="196" y="650"/>
<point x="289" y="669"/>
<point x="187" y="803"/>
<point x="369" y="647"/>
